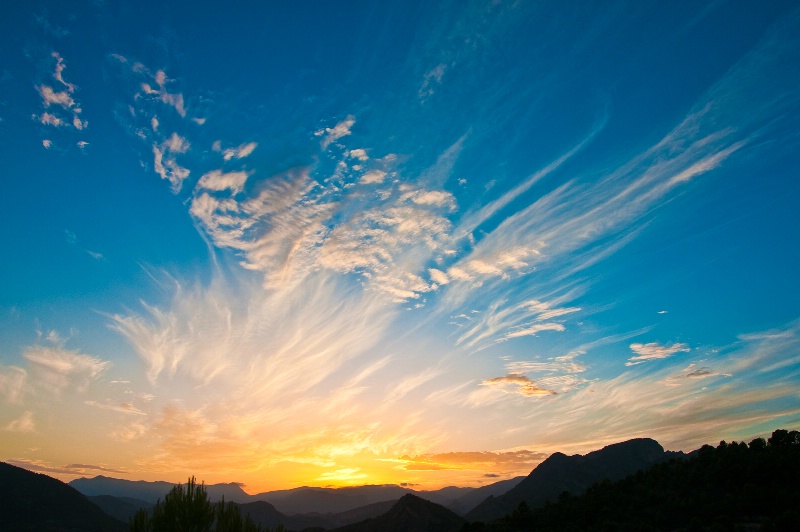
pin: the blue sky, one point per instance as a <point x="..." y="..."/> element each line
<point x="340" y="243"/>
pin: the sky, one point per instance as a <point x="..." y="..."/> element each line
<point x="420" y="243"/>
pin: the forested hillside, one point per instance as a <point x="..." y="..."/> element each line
<point x="734" y="486"/>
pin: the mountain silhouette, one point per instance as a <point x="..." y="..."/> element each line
<point x="32" y="501"/>
<point x="473" y="498"/>
<point x="573" y="474"/>
<point x="735" y="486"/>
<point x="122" y="508"/>
<point x="266" y="515"/>
<point x="150" y="492"/>
<point x="330" y="500"/>
<point x="410" y="513"/>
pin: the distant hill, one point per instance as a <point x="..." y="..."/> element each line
<point x="307" y="500"/>
<point x="297" y="508"/>
<point x="410" y="513"/>
<point x="266" y="515"/>
<point x="303" y="500"/>
<point x="150" y="492"/>
<point x="573" y="474"/>
<point x="32" y="501"/>
<point x="469" y="500"/>
<point x="306" y="506"/>
<point x="444" y="496"/>
<point x="121" y="508"/>
<point x="360" y="514"/>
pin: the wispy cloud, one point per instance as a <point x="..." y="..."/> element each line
<point x="291" y="225"/>
<point x="654" y="351"/>
<point x="518" y="384"/>
<point x="349" y="474"/>
<point x="411" y="382"/>
<point x="332" y="134"/>
<point x="296" y="350"/>
<point x="57" y="368"/>
<point x="148" y="117"/>
<point x="160" y="91"/>
<point x="559" y="373"/>
<point x="165" y="160"/>
<point x="123" y="408"/>
<point x="358" y="153"/>
<point x="70" y="469"/>
<point x="502" y="320"/>
<point x="238" y="152"/>
<point x="508" y="461"/>
<point x="73" y="240"/>
<point x="432" y="78"/>
<point x="24" y="423"/>
<point x="218" y="181"/>
<point x="278" y="229"/>
<point x="694" y="371"/>
<point x="373" y="177"/>
<point x="89" y="467"/>
<point x="681" y="406"/>
<point x="535" y="328"/>
<point x="61" y="108"/>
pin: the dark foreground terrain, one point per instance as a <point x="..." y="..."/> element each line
<point x="633" y="485"/>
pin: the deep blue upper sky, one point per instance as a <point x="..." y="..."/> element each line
<point x="337" y="233"/>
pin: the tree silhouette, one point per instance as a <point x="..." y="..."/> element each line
<point x="188" y="509"/>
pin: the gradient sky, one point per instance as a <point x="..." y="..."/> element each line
<point x="332" y="243"/>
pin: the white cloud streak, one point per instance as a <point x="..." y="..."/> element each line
<point x="332" y="134"/>
<point x="235" y="152"/>
<point x="165" y="161"/>
<point x="57" y="368"/>
<point x="218" y="181"/>
<point x="23" y="424"/>
<point x="654" y="351"/>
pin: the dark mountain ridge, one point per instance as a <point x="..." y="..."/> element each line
<point x="410" y="513"/>
<point x="473" y="498"/>
<point x="307" y="500"/>
<point x="150" y="492"/>
<point x="120" y="508"/>
<point x="266" y="515"/>
<point x="735" y="486"/>
<point x="573" y="474"/>
<point x="32" y="501"/>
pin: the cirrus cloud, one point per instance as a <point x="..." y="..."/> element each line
<point x="518" y="384"/>
<point x="654" y="351"/>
